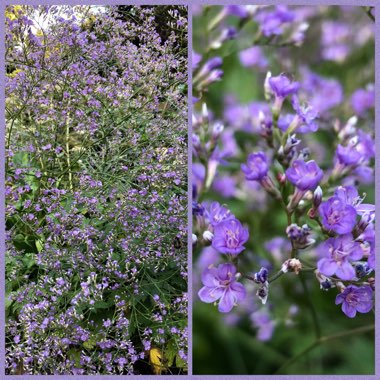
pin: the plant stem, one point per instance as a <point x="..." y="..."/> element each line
<point x="68" y="156"/>
<point x="276" y="276"/>
<point x="322" y="340"/>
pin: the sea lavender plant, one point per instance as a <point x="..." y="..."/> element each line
<point x="96" y="191"/>
<point x="279" y="214"/>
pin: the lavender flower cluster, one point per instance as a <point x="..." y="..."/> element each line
<point x="96" y="192"/>
<point x="296" y="158"/>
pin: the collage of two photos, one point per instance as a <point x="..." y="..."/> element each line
<point x="189" y="190"/>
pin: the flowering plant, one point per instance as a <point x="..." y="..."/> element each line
<point x="283" y="147"/>
<point x="96" y="189"/>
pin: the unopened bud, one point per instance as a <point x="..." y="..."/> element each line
<point x="261" y="277"/>
<point x="281" y="178"/>
<point x="291" y="142"/>
<point x="291" y="265"/>
<point x="317" y="197"/>
<point x="196" y="143"/>
<point x="208" y="236"/>
<point x="204" y="112"/>
<point x="267" y="88"/>
<point x="262" y="292"/>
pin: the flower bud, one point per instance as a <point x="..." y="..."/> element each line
<point x="227" y="34"/>
<point x="209" y="66"/>
<point x="371" y="282"/>
<point x="348" y="129"/>
<point x="205" y="112"/>
<point x="262" y="292"/>
<point x="300" y="236"/>
<point x="214" y="76"/>
<point x="325" y="282"/>
<point x="262" y="276"/>
<point x="267" y="88"/>
<point x="207" y="236"/>
<point x="196" y="143"/>
<point x="291" y="142"/>
<point x="362" y="269"/>
<point x="317" y="197"/>
<point x="291" y="265"/>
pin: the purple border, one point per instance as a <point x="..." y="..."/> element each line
<point x="189" y="190"/>
<point x="377" y="179"/>
<point x="2" y="183"/>
<point x="183" y="2"/>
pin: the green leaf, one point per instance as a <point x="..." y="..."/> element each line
<point x="75" y="355"/>
<point x="28" y="260"/>
<point x="170" y="353"/>
<point x="101" y="305"/>
<point x="90" y="343"/>
<point x="39" y="245"/>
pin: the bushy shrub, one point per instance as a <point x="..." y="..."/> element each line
<point x="96" y="189"/>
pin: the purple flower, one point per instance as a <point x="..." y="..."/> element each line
<point x="229" y="237"/>
<point x="218" y="213"/>
<point x="304" y="175"/>
<point x="278" y="247"/>
<point x="272" y="22"/>
<point x="337" y="254"/>
<point x="348" y="155"/>
<point x="210" y="65"/>
<point x="306" y="115"/>
<point x="236" y="10"/>
<point x="365" y="145"/>
<point x="359" y="151"/>
<point x="354" y="299"/>
<point x="323" y="94"/>
<point x="256" y="168"/>
<point x="225" y="186"/>
<point x="363" y="100"/>
<point x="220" y="284"/>
<point x="337" y="215"/>
<point x="335" y="40"/>
<point x="252" y="57"/>
<point x="207" y="257"/>
<point x="282" y="86"/>
<point x="350" y="195"/>
<point x="261" y="320"/>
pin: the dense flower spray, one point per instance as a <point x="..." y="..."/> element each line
<point x="283" y="183"/>
<point x="96" y="189"/>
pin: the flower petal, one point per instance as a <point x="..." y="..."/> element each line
<point x="364" y="307"/>
<point x="239" y="291"/>
<point x="209" y="295"/>
<point x="226" y="302"/>
<point x="226" y="271"/>
<point x="327" y="266"/>
<point x="345" y="271"/>
<point x="209" y="277"/>
<point x="348" y="310"/>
